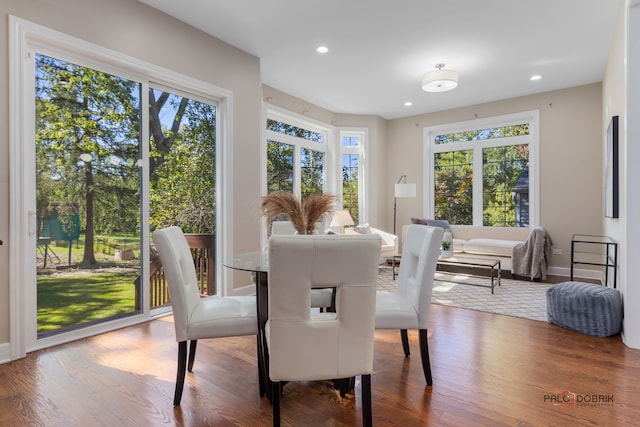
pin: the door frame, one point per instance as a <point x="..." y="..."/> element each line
<point x="24" y="38"/>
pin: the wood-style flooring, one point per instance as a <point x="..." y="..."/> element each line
<point x="488" y="370"/>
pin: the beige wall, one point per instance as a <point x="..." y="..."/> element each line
<point x="571" y="182"/>
<point x="136" y="30"/>
<point x="621" y="86"/>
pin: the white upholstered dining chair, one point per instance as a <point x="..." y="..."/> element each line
<point x="409" y="307"/>
<point x="320" y="298"/>
<point x="197" y="317"/>
<point x="304" y="345"/>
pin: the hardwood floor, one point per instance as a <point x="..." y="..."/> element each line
<point x="488" y="370"/>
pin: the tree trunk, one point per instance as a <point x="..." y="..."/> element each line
<point x="89" y="258"/>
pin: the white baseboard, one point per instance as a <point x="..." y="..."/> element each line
<point x="577" y="273"/>
<point x="5" y="352"/>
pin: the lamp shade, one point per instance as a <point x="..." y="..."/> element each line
<point x="439" y="80"/>
<point x="405" y="190"/>
<point x="341" y="219"/>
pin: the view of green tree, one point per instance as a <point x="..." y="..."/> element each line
<point x="502" y="168"/>
<point x="483" y="134"/>
<point x="88" y="153"/>
<point x="279" y="166"/>
<point x="312" y="173"/>
<point x="183" y="177"/>
<point x="292" y="130"/>
<point x="280" y="161"/>
<point x="88" y="185"/>
<point x="453" y="197"/>
<point x="87" y="147"/>
<point x="350" y="185"/>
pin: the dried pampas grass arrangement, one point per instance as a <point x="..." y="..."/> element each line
<point x="316" y="207"/>
<point x="302" y="216"/>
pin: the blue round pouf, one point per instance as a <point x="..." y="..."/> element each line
<point x="586" y="308"/>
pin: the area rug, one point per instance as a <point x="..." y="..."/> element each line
<point x="517" y="298"/>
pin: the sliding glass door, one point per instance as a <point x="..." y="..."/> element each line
<point x="89" y="255"/>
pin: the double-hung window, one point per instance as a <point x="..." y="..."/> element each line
<point x="484" y="172"/>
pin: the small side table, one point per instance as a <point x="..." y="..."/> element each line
<point x="601" y="251"/>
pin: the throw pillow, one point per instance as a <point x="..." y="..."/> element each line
<point x="442" y="223"/>
<point x="362" y="229"/>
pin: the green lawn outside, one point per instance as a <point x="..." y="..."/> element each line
<point x="79" y="296"/>
<point x="68" y="296"/>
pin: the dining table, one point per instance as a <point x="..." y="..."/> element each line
<point x="257" y="263"/>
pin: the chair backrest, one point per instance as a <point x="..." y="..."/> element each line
<point x="315" y="346"/>
<point x="180" y="273"/>
<point x="418" y="266"/>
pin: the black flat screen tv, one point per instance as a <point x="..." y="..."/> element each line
<point x="611" y="173"/>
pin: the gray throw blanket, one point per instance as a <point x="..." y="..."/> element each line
<point x="531" y="258"/>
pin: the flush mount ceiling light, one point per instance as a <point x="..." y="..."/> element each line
<point x="322" y="49"/>
<point x="439" y="80"/>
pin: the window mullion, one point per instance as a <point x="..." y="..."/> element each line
<point x="297" y="171"/>
<point x="478" y="187"/>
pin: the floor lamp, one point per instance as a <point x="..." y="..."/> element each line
<point x="402" y="189"/>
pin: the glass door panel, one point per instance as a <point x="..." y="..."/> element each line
<point x="87" y="196"/>
<point x="183" y="182"/>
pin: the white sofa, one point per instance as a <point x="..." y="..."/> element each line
<point x="389" y="241"/>
<point x="485" y="242"/>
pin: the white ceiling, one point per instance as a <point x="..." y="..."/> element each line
<point x="379" y="50"/>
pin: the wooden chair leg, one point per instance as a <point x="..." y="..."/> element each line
<point x="405" y="342"/>
<point x="424" y="353"/>
<point x="182" y="365"/>
<point x="192" y="354"/>
<point x="367" y="415"/>
<point x="275" y="402"/>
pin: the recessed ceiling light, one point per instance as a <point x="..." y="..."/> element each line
<point x="408" y="104"/>
<point x="535" y="77"/>
<point x="322" y="49"/>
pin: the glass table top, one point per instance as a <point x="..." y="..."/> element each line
<point x="249" y="261"/>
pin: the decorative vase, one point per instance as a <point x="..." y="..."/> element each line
<point x="447" y="244"/>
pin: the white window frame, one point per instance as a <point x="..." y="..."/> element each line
<point x="326" y="147"/>
<point x="333" y="154"/>
<point x="533" y="140"/>
<point x="362" y="135"/>
<point x="26" y="38"/>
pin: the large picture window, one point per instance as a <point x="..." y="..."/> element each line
<point x="484" y="172"/>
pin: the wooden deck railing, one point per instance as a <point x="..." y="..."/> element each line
<point x="204" y="256"/>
